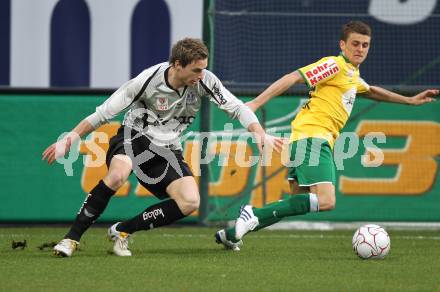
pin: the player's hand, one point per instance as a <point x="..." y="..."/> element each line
<point x="57" y="149"/>
<point x="270" y="141"/>
<point x="424" y="97"/>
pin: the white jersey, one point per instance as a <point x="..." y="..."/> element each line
<point x="162" y="113"/>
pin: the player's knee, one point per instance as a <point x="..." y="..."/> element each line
<point x="189" y="204"/>
<point x="327" y="201"/>
<point x="327" y="206"/>
<point x="115" y="179"/>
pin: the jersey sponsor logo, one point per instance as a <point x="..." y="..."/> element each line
<point x="218" y="94"/>
<point x="186" y="120"/>
<point x="321" y="72"/>
<point x="191" y="98"/>
<point x="162" y="104"/>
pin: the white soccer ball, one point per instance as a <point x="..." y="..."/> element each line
<point x="371" y="242"/>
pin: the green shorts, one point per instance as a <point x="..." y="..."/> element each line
<point x="314" y="162"/>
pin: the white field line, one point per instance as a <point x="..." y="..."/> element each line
<point x="309" y="225"/>
<point x="262" y="236"/>
<point x="294" y="236"/>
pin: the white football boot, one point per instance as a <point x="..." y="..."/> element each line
<point x="65" y="247"/>
<point x="120" y="239"/>
<point x="246" y="222"/>
<point x="220" y="238"/>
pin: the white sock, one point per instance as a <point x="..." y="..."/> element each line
<point x="314" y="204"/>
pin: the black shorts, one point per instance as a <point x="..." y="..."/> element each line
<point x="155" y="167"/>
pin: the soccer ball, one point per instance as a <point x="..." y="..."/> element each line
<point x="371" y="242"/>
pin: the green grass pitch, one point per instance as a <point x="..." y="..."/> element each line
<point x="188" y="259"/>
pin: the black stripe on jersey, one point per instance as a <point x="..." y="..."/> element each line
<point x="143" y="88"/>
<point x="219" y="100"/>
<point x="145" y="85"/>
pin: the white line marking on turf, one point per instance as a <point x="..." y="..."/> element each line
<point x="267" y="236"/>
<point x="14" y="235"/>
<point x="302" y="236"/>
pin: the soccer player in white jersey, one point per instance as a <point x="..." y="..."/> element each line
<point x="162" y="102"/>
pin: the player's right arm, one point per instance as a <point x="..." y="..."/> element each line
<point x="277" y="88"/>
<point x="314" y="74"/>
<point x="116" y="103"/>
<point x="61" y="147"/>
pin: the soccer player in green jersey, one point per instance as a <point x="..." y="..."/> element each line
<point x="334" y="81"/>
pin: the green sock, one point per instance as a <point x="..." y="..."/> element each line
<point x="294" y="205"/>
<point x="272" y="213"/>
<point x="230" y="234"/>
<point x="266" y="222"/>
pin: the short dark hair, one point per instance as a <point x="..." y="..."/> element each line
<point x="355" y="27"/>
<point x="187" y="51"/>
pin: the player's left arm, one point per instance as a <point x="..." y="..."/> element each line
<point x="382" y="94"/>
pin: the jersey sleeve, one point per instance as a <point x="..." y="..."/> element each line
<point x="121" y="99"/>
<point x="320" y="72"/>
<point x="226" y="101"/>
<point x="362" y="86"/>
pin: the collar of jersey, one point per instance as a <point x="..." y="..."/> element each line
<point x="165" y="76"/>
<point x="347" y="60"/>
